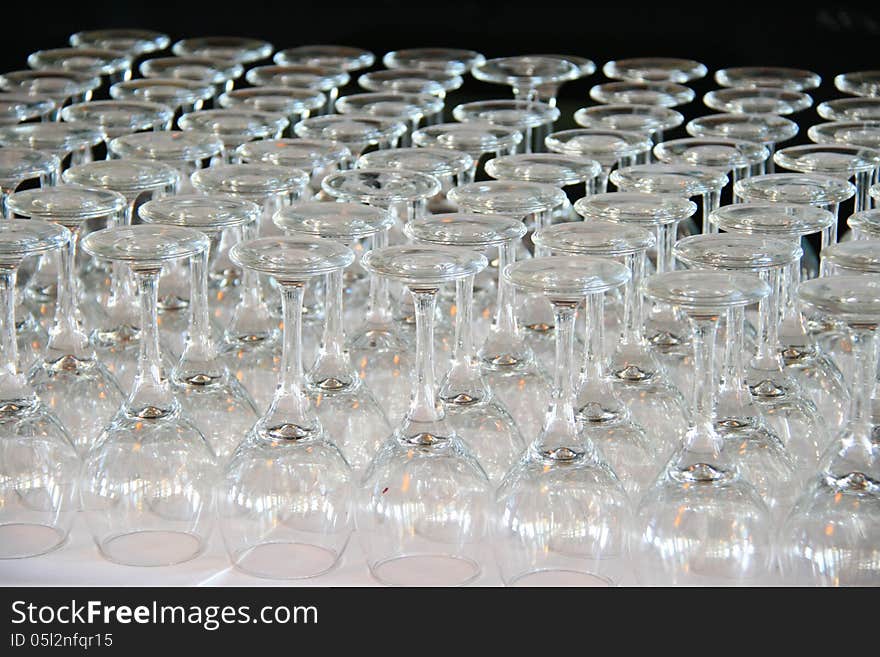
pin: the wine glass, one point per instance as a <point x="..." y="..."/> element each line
<point x="60" y="139"/>
<point x="411" y="81"/>
<point x="234" y="127"/>
<point x="343" y="400"/>
<point x="851" y="133"/>
<point x="69" y="377"/>
<point x="177" y="93"/>
<point x="423" y="514"/>
<point x="630" y="449"/>
<point x="640" y="380"/>
<point x="757" y="100"/>
<point x="39" y="465"/>
<point x="134" y="42"/>
<point x="530" y="75"/>
<point x="766" y="129"/>
<point x="756" y="449"/>
<point x="294" y="104"/>
<point x="507" y="356"/>
<point x="858" y="83"/>
<point x="148" y="481"/>
<point x="455" y="61"/>
<point x="20" y="164"/>
<point x="111" y="65"/>
<point x="243" y="50"/>
<point x="17" y="106"/>
<point x="662" y="94"/>
<point x="608" y="147"/>
<point x="222" y="73"/>
<point x="850" y="109"/>
<point x="450" y="167"/>
<point x="749" y="77"/>
<point x="407" y="108"/>
<point x="532" y="118"/>
<point x="110" y="312"/>
<point x="561" y="514"/>
<point x="325" y="79"/>
<point x="738" y="158"/>
<point x="816" y="364"/>
<point x="211" y="397"/>
<point x="341" y="58"/>
<point x="119" y="117"/>
<point x="316" y="157"/>
<point x="830" y="536"/>
<point x="357" y="133"/>
<point x="476" y="138"/>
<point x="58" y="84"/>
<point x="650" y="120"/>
<point x="287" y="496"/>
<point x="185" y="151"/>
<point x="840" y="160"/>
<point x="474" y="413"/>
<point x="702" y="522"/>
<point x="655" y="69"/>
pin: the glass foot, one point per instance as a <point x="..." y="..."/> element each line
<point x="19" y="540"/>
<point x="286" y="560"/>
<point x="426" y="570"/>
<point x="151" y="548"/>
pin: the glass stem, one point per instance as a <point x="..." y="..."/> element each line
<point x="560" y="428"/>
<point x="633" y="307"/>
<point x="13" y="386"/>
<point x="463" y="383"/>
<point x="505" y="314"/>
<point x="151" y="395"/>
<point x="332" y="369"/>
<point x="704" y="333"/>
<point x="379" y="304"/>
<point x="863" y="183"/>
<point x="767" y="357"/>
<point x="864" y="379"/>
<point x="67" y="337"/>
<point x="711" y="200"/>
<point x="424" y="406"/>
<point x="601" y="184"/>
<point x="198" y="363"/>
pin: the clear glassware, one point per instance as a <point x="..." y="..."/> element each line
<point x="798" y="189"/>
<point x="120" y="117"/>
<point x="840" y="160"/>
<point x="211" y="397"/>
<point x="58" y="84"/>
<point x="181" y="95"/>
<point x="631" y="450"/>
<point x="640" y="379"/>
<point x="532" y="118"/>
<point x="662" y="94"/>
<point x="327" y="80"/>
<point x="340" y="58"/>
<point x="757" y="100"/>
<point x="111" y="65"/>
<point x="20" y="164"/>
<point x="655" y="69"/>
<point x="17" y="106"/>
<point x="294" y="104"/>
<point x="243" y="50"/>
<point x="650" y="120"/>
<point x="548" y="91"/>
<point x="475" y="414"/>
<point x="342" y="399"/>
<point x="852" y="133"/>
<point x="756" y="449"/>
<point x="234" y="127"/>
<point x="423" y="515"/>
<point x="410" y="81"/>
<point x="874" y="193"/>
<point x="286" y="511"/>
<point x="560" y="515"/>
<point x="411" y="109"/>
<point x="222" y="73"/>
<point x="859" y="83"/>
<point x="684" y="180"/>
<point x="830" y="538"/>
<point x="865" y="225"/>
<point x="702" y="522"/>
<point x="134" y="42"/>
<point x="64" y="140"/>
<point x="148" y="481"/>
<point x="39" y="467"/>
<point x="69" y="377"/>
<point x="452" y="168"/>
<point x="111" y="312"/>
<point x="357" y="133"/>
<point x="850" y="109"/>
<point x="507" y="356"/>
<point x="530" y="77"/>
<point x="816" y="364"/>
<point x="608" y="147"/>
<point x="316" y="157"/>
<point x="476" y="138"/>
<point x="252" y="347"/>
<point x="738" y="158"/>
<point x="775" y="77"/>
<point x="453" y="61"/>
<point x="766" y="129"/>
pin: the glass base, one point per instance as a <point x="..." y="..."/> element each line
<point x="286" y="560"/>
<point x="19" y="540"/>
<point x="151" y="548"/>
<point x="426" y="570"/>
<point x="559" y="578"/>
